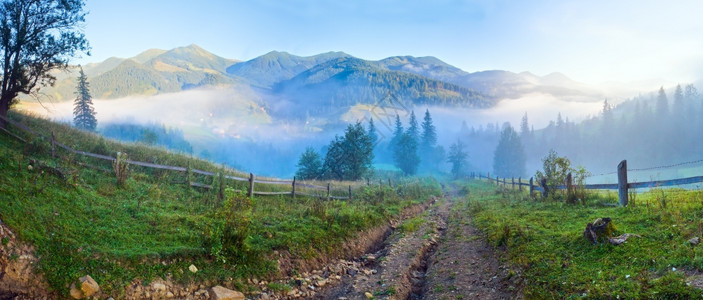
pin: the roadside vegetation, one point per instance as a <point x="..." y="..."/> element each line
<point x="81" y="221"/>
<point x="544" y="238"/>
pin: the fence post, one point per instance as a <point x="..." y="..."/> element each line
<point x="497" y="181"/>
<point x="53" y="144"/>
<point x="513" y="184"/>
<point x="519" y="183"/>
<point x="545" y="189"/>
<point x="350" y="195"/>
<point x="293" y="192"/>
<point x="251" y="185"/>
<point x="368" y="181"/>
<point x="532" y="188"/>
<point x="504" y="184"/>
<point x="569" y="187"/>
<point x="328" y="191"/>
<point x="622" y="182"/>
<point x="389" y="182"/>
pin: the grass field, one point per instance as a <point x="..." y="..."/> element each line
<point x="545" y="239"/>
<point x="155" y="227"/>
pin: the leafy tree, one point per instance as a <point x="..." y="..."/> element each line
<point x="83" y="111"/>
<point x="349" y="157"/>
<point x="509" y="156"/>
<point x="457" y="157"/>
<point x="555" y="168"/>
<point x="309" y="165"/>
<point x="36" y="37"/>
<point x="405" y="154"/>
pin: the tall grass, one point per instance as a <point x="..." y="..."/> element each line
<point x="156" y="226"/>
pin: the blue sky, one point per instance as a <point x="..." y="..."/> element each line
<point x="590" y="41"/>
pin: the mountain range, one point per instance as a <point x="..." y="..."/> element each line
<point x="327" y="79"/>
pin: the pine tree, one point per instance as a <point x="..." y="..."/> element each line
<point x="413" y="129"/>
<point x="397" y="134"/>
<point x="430" y="154"/>
<point x="662" y="104"/>
<point x="83" y="112"/>
<point x="678" y="102"/>
<point x="429" y="133"/>
<point x="509" y="156"/>
<point x="372" y="132"/>
<point x="524" y="128"/>
<point x="309" y="165"/>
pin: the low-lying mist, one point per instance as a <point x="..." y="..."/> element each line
<point x="234" y="125"/>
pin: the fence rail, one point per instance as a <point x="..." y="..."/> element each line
<point x="252" y="178"/>
<point x="622" y="186"/>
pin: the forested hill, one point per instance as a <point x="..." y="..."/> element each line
<point x="334" y="78"/>
<point x="348" y="81"/>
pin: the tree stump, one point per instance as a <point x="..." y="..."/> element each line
<point x="600" y="230"/>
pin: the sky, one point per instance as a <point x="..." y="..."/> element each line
<point x="589" y="41"/>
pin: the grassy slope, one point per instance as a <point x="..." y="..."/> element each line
<point x="545" y="239"/>
<point x="153" y="226"/>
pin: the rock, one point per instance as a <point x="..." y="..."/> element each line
<point x="352" y="272"/>
<point x="193" y="269"/>
<point x="222" y="293"/>
<point x="88" y="287"/>
<point x="158" y="287"/>
<point x="201" y="293"/>
<point x="321" y="283"/>
<point x="694" y="241"/>
<point x="169" y="295"/>
<point x="368" y="295"/>
<point x="370" y="258"/>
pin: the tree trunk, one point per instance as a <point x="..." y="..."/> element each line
<point x="4" y="107"/>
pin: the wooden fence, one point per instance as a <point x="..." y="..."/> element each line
<point x="252" y="179"/>
<point x="622" y="186"/>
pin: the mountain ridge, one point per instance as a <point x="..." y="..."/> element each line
<point x="155" y="71"/>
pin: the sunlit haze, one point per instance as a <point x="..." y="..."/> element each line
<point x="589" y="41"/>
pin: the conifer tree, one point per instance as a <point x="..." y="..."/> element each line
<point x="372" y="132"/>
<point x="509" y="156"/>
<point x="309" y="165"/>
<point x="662" y="104"/>
<point x="413" y="129"/>
<point x="83" y="111"/>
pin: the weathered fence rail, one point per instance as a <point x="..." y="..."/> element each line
<point x="327" y="190"/>
<point x="622" y="186"/>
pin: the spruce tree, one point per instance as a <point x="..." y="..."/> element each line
<point x="413" y="129"/>
<point x="397" y="134"/>
<point x="309" y="165"/>
<point x="430" y="155"/>
<point x="662" y="104"/>
<point x="509" y="156"/>
<point x="372" y="132"/>
<point x="83" y="111"/>
<point x="429" y="133"/>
